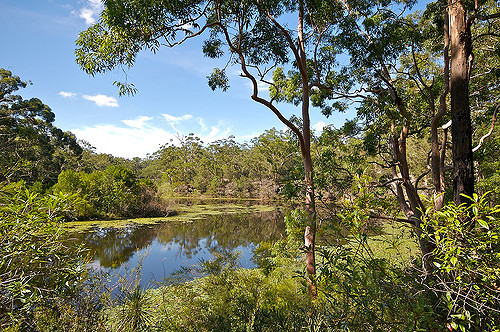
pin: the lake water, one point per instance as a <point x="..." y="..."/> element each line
<point x="166" y="247"/>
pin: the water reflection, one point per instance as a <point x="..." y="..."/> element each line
<point x="166" y="247"/>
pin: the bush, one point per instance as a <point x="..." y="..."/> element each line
<point x="112" y="193"/>
<point x="36" y="270"/>
<point x="467" y="264"/>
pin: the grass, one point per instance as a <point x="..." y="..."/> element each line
<point x="184" y="214"/>
<point x="396" y="243"/>
<point x="392" y="241"/>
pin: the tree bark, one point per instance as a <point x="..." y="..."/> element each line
<point x="310" y="231"/>
<point x="461" y="128"/>
<point x="437" y="158"/>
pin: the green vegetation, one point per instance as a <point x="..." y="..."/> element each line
<point x="33" y="149"/>
<point x="39" y="275"/>
<point x="397" y="232"/>
<point x="113" y="192"/>
<point x="184" y="214"/>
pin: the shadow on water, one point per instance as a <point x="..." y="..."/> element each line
<point x="164" y="248"/>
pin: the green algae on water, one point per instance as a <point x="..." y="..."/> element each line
<point x="183" y="213"/>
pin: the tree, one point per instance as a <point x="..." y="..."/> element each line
<point x="33" y="149"/>
<point x="401" y="68"/>
<point x="463" y="16"/>
<point x="397" y="83"/>
<point x="278" y="150"/>
<point x="257" y="38"/>
<point x="461" y="128"/>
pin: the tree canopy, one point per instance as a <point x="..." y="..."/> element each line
<point x="33" y="149"/>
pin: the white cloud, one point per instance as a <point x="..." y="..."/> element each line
<point x="102" y="100"/>
<point x="201" y="122"/>
<point x="263" y="87"/>
<point x="66" y="94"/>
<point x="140" y="136"/>
<point x="318" y="126"/>
<point x="177" y="119"/>
<point x="138" y="123"/>
<point x="126" y="142"/>
<point x="174" y="120"/>
<point x="91" y="10"/>
<point x="186" y="26"/>
<point x="214" y="132"/>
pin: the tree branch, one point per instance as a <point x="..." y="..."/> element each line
<point x="255" y="86"/>
<point x="493" y="121"/>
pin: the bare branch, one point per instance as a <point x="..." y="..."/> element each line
<point x="421" y="177"/>
<point x="493" y="121"/>
<point x="255" y="86"/>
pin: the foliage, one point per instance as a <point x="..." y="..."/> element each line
<point x="362" y="286"/>
<point x="112" y="192"/>
<point x="362" y="292"/>
<point x="134" y="313"/>
<point x="488" y="166"/>
<point x="393" y="74"/>
<point x="37" y="269"/>
<point x="225" y="299"/>
<point x="467" y="263"/>
<point x="296" y="222"/>
<point x="33" y="149"/>
<point x="225" y="168"/>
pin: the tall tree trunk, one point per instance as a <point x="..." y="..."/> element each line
<point x="437" y="156"/>
<point x="410" y="203"/>
<point x="461" y="129"/>
<point x="310" y="231"/>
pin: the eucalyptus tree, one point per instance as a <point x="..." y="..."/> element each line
<point x="402" y="69"/>
<point x="254" y="35"/>
<point x="279" y="152"/>
<point x="32" y="148"/>
<point x="400" y="92"/>
<point x="466" y="18"/>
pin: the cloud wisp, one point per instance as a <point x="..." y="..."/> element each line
<point x="102" y="100"/>
<point x="175" y="120"/>
<point x="91" y="11"/>
<point x="143" y="135"/>
<point x="138" y="123"/>
<point x="67" y="94"/>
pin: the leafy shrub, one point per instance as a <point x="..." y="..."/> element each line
<point x="36" y="269"/>
<point x="234" y="300"/>
<point x="112" y="192"/>
<point x="467" y="263"/>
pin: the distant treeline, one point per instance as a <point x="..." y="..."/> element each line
<point x="48" y="160"/>
<point x="107" y="186"/>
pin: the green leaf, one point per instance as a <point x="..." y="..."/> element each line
<point x="483" y="223"/>
<point x="218" y="80"/>
<point x="454" y="260"/>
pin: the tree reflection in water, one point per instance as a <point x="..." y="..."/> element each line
<point x="167" y="247"/>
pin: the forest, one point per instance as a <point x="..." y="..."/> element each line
<point x="418" y="162"/>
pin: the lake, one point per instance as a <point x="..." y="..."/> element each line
<point x="164" y="246"/>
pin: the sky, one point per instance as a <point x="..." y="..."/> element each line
<point x="173" y="98"/>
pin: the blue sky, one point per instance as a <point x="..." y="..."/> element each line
<point x="38" y="43"/>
